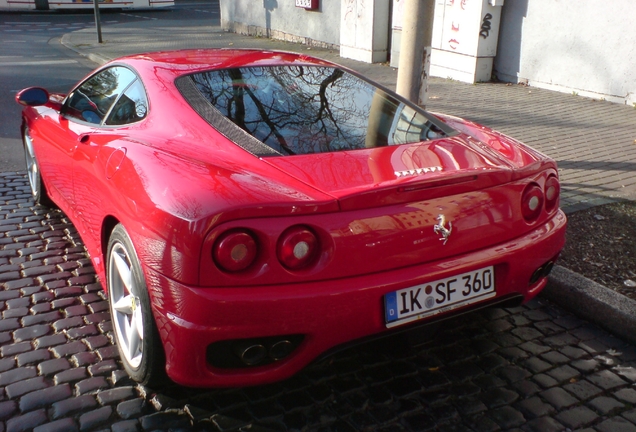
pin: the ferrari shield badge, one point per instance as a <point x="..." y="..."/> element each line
<point x="441" y="229"/>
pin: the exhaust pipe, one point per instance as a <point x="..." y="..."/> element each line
<point x="541" y="272"/>
<point x="280" y="350"/>
<point x="251" y="354"/>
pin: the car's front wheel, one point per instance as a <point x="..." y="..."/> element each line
<point x="137" y="337"/>
<point x="33" y="171"/>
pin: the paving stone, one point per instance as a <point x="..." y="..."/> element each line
<point x="577" y="417"/>
<point x="85" y="358"/>
<point x="583" y="390"/>
<point x="615" y="424"/>
<point x="44" y="397"/>
<point x="40" y="308"/>
<point x="626" y="372"/>
<point x="107" y="397"/>
<point x="15" y="375"/>
<point x="50" y="367"/>
<point x="627" y="395"/>
<point x="77" y="310"/>
<point x="80" y="332"/>
<point x="125" y="426"/>
<point x="606" y="380"/>
<point x="20" y="388"/>
<point x="132" y="408"/>
<point x="97" y="317"/>
<point x="563" y="373"/>
<point x="92" y="419"/>
<point x="103" y="368"/>
<point x="63" y="303"/>
<point x="513" y="373"/>
<point x="95" y="342"/>
<point x="5" y="337"/>
<point x="507" y="417"/>
<point x="42" y="297"/>
<point x="50" y="341"/>
<point x="558" y="398"/>
<point x="26" y="422"/>
<point x="7" y="409"/>
<point x="526" y="388"/>
<point x="62" y="425"/>
<point x="543" y="424"/>
<point x="73" y="405"/>
<point x="15" y="313"/>
<point x="536" y="365"/>
<point x="67" y="323"/>
<point x="585" y="365"/>
<point x="534" y="407"/>
<point x="604" y="404"/>
<point x="498" y="397"/>
<point x="70" y="375"/>
<point x="100" y="306"/>
<point x="573" y="352"/>
<point x="41" y="318"/>
<point x="545" y="381"/>
<point x="165" y="420"/>
<point x="91" y="384"/>
<point x="68" y="292"/>
<point x="68" y="349"/>
<point x="109" y="352"/>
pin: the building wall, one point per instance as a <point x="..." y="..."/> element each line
<point x="281" y="19"/>
<point x="584" y="46"/>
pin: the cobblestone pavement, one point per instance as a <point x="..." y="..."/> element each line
<point x="531" y="368"/>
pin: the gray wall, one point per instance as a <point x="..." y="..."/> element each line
<point x="281" y="19"/>
<point x="582" y="46"/>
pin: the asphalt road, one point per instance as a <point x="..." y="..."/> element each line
<point x="33" y="56"/>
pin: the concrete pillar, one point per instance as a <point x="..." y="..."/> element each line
<point x="415" y="46"/>
<point x="364" y="30"/>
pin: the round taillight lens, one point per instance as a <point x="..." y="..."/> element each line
<point x="532" y="202"/>
<point x="235" y="251"/>
<point x="552" y="193"/>
<point x="297" y="247"/>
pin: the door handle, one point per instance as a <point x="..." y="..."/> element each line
<point x="84" y="138"/>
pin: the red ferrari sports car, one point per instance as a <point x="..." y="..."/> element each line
<point x="250" y="211"/>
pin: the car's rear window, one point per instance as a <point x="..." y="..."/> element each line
<point x="313" y="109"/>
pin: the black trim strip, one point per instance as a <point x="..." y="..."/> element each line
<point x="218" y="121"/>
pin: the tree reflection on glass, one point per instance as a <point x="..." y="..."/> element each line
<point x="298" y="109"/>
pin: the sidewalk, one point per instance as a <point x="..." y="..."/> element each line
<point x="594" y="142"/>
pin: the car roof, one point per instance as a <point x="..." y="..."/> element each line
<point x="183" y="62"/>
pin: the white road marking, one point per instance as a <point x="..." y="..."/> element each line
<point x="40" y="62"/>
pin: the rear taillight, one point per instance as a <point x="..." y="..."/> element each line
<point x="552" y="192"/>
<point x="532" y="202"/>
<point x="235" y="251"/>
<point x="297" y="248"/>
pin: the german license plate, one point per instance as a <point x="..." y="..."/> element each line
<point x="432" y="298"/>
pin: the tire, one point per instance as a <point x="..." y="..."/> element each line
<point x="138" y="341"/>
<point x="38" y="191"/>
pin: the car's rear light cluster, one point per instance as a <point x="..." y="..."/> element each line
<point x="535" y="199"/>
<point x="235" y="251"/>
<point x="297" y="248"/>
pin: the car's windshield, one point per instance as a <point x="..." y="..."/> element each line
<point x="313" y="109"/>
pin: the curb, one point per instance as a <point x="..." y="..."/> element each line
<point x="592" y="301"/>
<point x="95" y="58"/>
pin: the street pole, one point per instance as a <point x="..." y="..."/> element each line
<point x="98" y="21"/>
<point x="415" y="50"/>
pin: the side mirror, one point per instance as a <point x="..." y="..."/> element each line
<point x="37" y="96"/>
<point x="32" y="96"/>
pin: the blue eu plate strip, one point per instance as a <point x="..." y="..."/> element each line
<point x="390" y="307"/>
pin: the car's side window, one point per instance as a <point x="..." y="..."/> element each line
<point x="131" y="107"/>
<point x="91" y="101"/>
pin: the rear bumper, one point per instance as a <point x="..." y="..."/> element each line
<point x="327" y="313"/>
